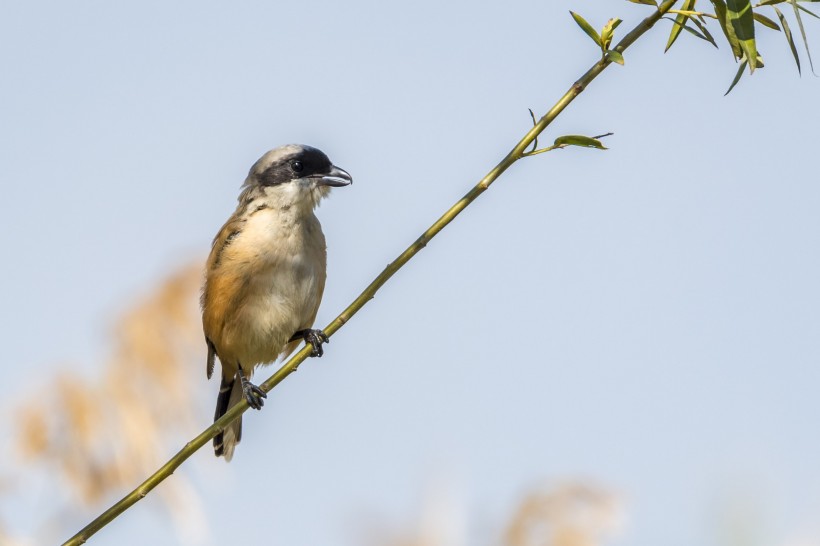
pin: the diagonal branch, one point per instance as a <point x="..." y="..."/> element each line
<point x="291" y="365"/>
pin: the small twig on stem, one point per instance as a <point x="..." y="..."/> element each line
<point x="534" y="123"/>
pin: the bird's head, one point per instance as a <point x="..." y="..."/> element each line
<point x="295" y="175"/>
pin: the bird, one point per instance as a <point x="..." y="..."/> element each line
<point x="265" y="276"/>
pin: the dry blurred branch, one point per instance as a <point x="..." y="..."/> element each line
<point x="96" y="436"/>
<point x="569" y="514"/>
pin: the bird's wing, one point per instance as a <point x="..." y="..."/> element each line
<point x="211" y="357"/>
<point x="219" y="289"/>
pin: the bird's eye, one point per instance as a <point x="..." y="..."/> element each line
<point x="297" y="166"/>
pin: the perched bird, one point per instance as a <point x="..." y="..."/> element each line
<point x="265" y="275"/>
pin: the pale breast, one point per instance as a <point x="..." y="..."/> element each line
<point x="279" y="261"/>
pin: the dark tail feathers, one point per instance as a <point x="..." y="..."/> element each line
<point x="230" y="392"/>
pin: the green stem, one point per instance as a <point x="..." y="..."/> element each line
<point x="291" y="365"/>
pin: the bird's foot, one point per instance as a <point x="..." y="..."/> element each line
<point x="315" y="337"/>
<point x="253" y="394"/>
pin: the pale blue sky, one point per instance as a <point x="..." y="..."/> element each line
<point x="645" y="318"/>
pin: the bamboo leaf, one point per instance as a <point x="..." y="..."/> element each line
<point x="741" y="20"/>
<point x="608" y="31"/>
<point x="680" y="22"/>
<point x="789" y="38"/>
<point x="765" y="21"/>
<point x="797" y="9"/>
<point x="695" y="33"/>
<point x="739" y="74"/>
<point x="647" y="2"/>
<point x="586" y="27"/>
<point x="728" y="31"/>
<point x="686" y="12"/>
<point x="705" y="31"/>
<point x="579" y="140"/>
<point x="615" y="57"/>
<point x="801" y="8"/>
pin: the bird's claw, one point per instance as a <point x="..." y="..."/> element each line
<point x="316" y="338"/>
<point x="253" y="394"/>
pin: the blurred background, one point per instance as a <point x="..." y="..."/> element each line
<point x="611" y="347"/>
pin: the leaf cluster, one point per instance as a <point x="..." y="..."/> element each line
<point x="738" y="21"/>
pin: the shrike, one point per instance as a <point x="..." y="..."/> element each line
<point x="266" y="274"/>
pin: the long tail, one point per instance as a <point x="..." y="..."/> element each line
<point x="230" y="393"/>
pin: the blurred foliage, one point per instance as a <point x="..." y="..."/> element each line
<point x="97" y="436"/>
<point x="568" y="514"/>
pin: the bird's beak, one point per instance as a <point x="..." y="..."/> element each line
<point x="336" y="178"/>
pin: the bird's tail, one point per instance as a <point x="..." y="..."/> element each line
<point x="230" y="393"/>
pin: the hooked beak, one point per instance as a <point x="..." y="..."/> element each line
<point x="336" y="178"/>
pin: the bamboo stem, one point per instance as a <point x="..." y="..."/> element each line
<point x="291" y="365"/>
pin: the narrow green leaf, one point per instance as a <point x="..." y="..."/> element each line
<point x="647" y="2"/>
<point x="608" y="31"/>
<point x="766" y="22"/>
<point x="801" y="8"/>
<point x="579" y="140"/>
<point x="686" y="12"/>
<point x="741" y="20"/>
<point x="739" y="74"/>
<point x="586" y="27"/>
<point x="728" y="31"/>
<point x="789" y="38"/>
<point x="615" y="57"/>
<point x="680" y="22"/>
<point x="705" y="31"/>
<point x="695" y="33"/>
<point x="797" y="9"/>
